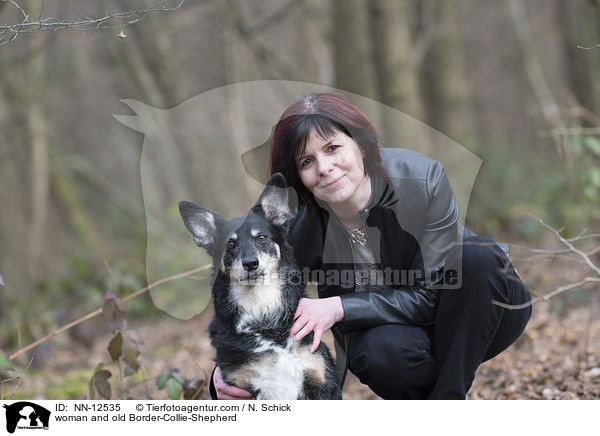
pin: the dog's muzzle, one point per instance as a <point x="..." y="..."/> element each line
<point x="250" y="263"/>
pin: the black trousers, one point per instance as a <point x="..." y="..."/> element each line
<point x="439" y="362"/>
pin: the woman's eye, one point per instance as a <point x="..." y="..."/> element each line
<point x="261" y="238"/>
<point x="230" y="244"/>
<point x="305" y="163"/>
<point x="333" y="147"/>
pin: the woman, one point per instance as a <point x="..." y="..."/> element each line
<point x="417" y="318"/>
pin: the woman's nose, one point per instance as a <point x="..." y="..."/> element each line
<point x="324" y="166"/>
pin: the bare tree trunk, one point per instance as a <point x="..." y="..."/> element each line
<point x="14" y="197"/>
<point x="443" y="82"/>
<point x="144" y="64"/>
<point x="36" y="124"/>
<point x="74" y="205"/>
<point x="313" y="23"/>
<point x="353" y="55"/>
<point x="396" y="75"/>
<point x="236" y="70"/>
<point x="535" y="73"/>
<point x="569" y="20"/>
<point x="498" y="91"/>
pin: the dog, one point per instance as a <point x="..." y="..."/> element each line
<point x="256" y="290"/>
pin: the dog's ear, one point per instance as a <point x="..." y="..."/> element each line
<point x="275" y="200"/>
<point x="202" y="223"/>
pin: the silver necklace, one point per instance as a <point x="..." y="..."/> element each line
<point x="358" y="235"/>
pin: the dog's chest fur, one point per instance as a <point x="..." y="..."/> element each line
<point x="279" y="371"/>
<point x="260" y="301"/>
<point x="276" y="365"/>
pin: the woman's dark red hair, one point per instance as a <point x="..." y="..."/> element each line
<point x="325" y="114"/>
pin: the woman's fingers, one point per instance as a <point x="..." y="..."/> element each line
<point x="300" y="322"/>
<point x="308" y="327"/>
<point x="316" y="340"/>
<point x="226" y="391"/>
<point x="299" y="308"/>
<point x="317" y="316"/>
<point x="235" y="393"/>
<point x="232" y="391"/>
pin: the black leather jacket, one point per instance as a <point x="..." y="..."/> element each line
<point x="413" y="229"/>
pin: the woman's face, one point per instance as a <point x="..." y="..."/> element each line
<point x="333" y="170"/>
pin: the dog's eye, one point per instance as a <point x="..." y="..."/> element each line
<point x="231" y="243"/>
<point x="261" y="238"/>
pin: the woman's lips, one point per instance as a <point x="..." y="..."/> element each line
<point x="333" y="184"/>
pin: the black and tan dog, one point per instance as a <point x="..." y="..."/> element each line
<point x="255" y="299"/>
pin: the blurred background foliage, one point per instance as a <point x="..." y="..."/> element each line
<point x="514" y="81"/>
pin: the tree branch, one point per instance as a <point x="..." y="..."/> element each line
<point x="548" y="295"/>
<point x="570" y="246"/>
<point x="9" y="32"/>
<point x="570" y="249"/>
<point x="99" y="311"/>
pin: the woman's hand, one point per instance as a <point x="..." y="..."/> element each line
<point x="316" y="315"/>
<point x="228" y="392"/>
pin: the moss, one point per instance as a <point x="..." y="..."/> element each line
<point x="73" y="386"/>
<point x="20" y="395"/>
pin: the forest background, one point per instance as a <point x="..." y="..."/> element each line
<point x="513" y="81"/>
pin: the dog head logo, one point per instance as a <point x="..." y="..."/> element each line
<point x="215" y="148"/>
<point x="26" y="415"/>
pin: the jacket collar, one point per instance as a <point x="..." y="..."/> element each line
<point x="382" y="195"/>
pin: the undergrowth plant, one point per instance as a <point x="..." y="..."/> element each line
<point x="124" y="351"/>
<point x="123" y="348"/>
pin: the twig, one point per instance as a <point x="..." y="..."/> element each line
<point x="571" y="131"/>
<point x="99" y="311"/>
<point x="545" y="253"/>
<point x="16" y="5"/>
<point x="585" y="354"/>
<point x="535" y="72"/>
<point x="52" y="23"/>
<point x="579" y="238"/>
<point x="549" y="295"/>
<point x="584" y="114"/>
<point x="589" y="48"/>
<point x="21" y="378"/>
<point x="205" y="381"/>
<point x="561" y="289"/>
<point x="571" y="247"/>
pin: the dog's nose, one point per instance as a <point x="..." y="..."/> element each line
<point x="250" y="263"/>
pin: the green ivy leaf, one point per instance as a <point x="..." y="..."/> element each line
<point x="174" y="389"/>
<point x="101" y="383"/>
<point x="115" y="346"/>
<point x="177" y="376"/>
<point x="161" y="381"/>
<point x="4" y="362"/>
